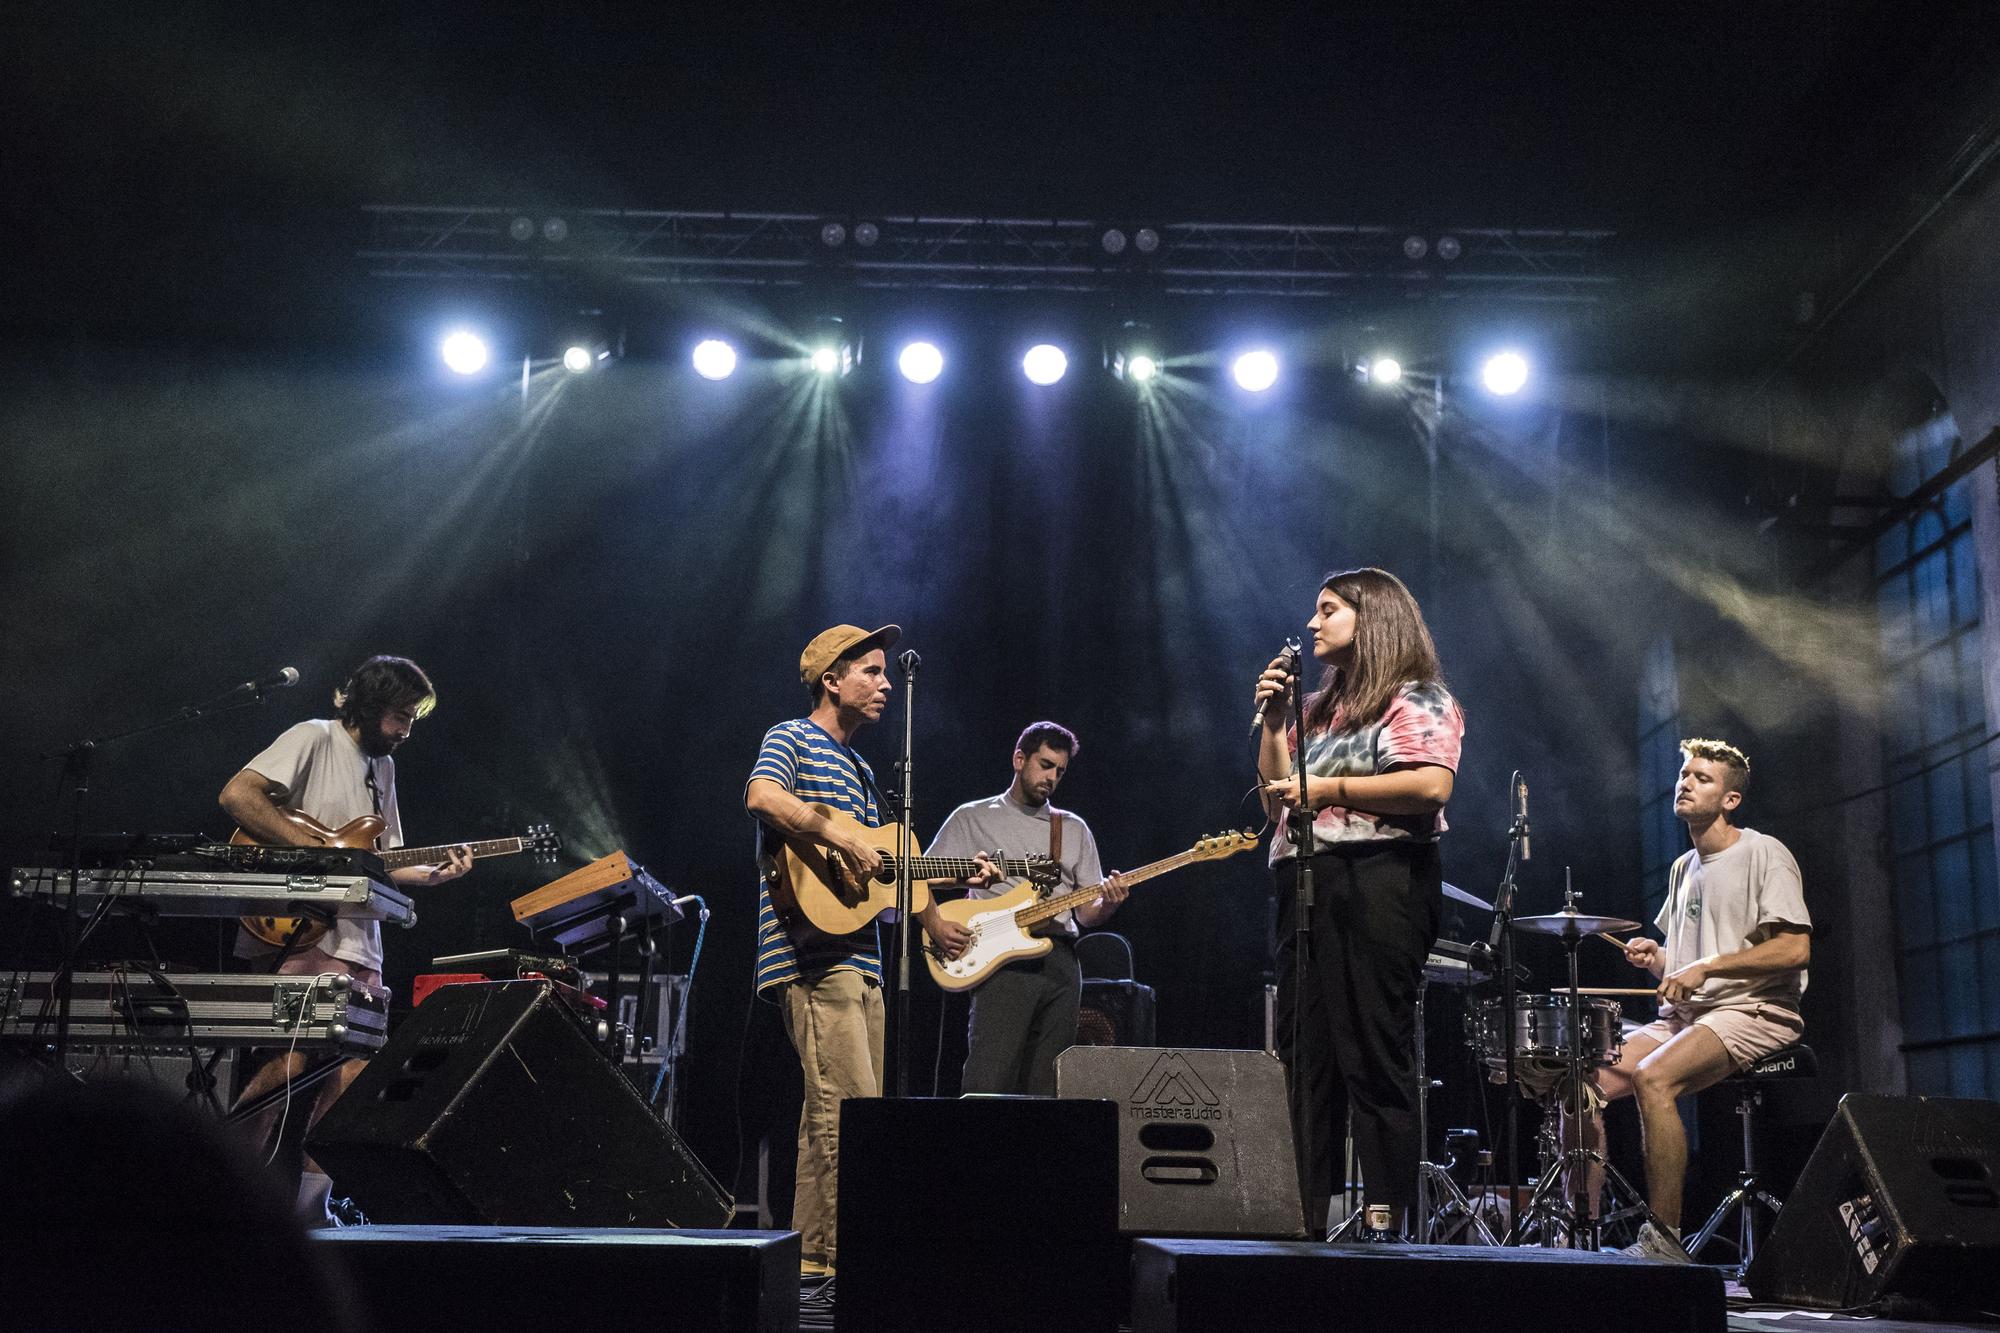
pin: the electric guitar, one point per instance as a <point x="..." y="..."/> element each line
<point x="1000" y="925"/>
<point x="812" y="886"/>
<point x="360" y="833"/>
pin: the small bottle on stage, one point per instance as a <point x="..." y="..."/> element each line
<point x="1380" y="1217"/>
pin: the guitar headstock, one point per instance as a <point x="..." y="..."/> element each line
<point x="1043" y="872"/>
<point x="541" y="840"/>
<point x="1227" y="843"/>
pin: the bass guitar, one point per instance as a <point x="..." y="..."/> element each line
<point x="1001" y="925"/>
<point x="813" y="886"/>
<point x="360" y="834"/>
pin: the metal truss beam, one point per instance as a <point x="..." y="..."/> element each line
<point x="493" y="244"/>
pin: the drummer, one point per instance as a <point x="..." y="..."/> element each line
<point x="1731" y="971"/>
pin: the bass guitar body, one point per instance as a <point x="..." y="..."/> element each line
<point x="998" y="937"/>
<point x="276" y="931"/>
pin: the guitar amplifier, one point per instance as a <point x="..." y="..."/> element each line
<point x="169" y="1011"/>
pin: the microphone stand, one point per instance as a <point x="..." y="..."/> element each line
<point x="77" y="758"/>
<point x="899" y="1007"/>
<point x="1500" y="945"/>
<point x="1299" y="831"/>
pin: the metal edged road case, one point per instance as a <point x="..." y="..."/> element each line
<point x="328" y="1012"/>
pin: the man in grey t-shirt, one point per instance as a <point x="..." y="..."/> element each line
<point x="1024" y="1014"/>
<point x="1731" y="971"/>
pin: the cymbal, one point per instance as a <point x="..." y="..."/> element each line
<point x="1458" y="895"/>
<point x="1569" y="923"/>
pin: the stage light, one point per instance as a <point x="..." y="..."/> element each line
<point x="714" y="359"/>
<point x="464" y="352"/>
<point x="1044" y="364"/>
<point x="577" y="359"/>
<point x="555" y="231"/>
<point x="866" y="234"/>
<point x="1449" y="248"/>
<point x="1255" y="371"/>
<point x="1113" y="241"/>
<point x="1385" y="370"/>
<point x="522" y="229"/>
<point x="1415" y="247"/>
<point x="920" y="363"/>
<point x="1147" y="240"/>
<point x="1142" y="368"/>
<point x="832" y="235"/>
<point x="1504" y="373"/>
<point x="826" y="360"/>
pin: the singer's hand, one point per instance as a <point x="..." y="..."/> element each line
<point x="1272" y="687"/>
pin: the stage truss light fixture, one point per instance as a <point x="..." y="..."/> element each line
<point x="826" y="360"/>
<point x="1415" y="248"/>
<point x="714" y="359"/>
<point x="920" y="362"/>
<point x="1044" y="364"/>
<point x="1504" y="374"/>
<point x="832" y="235"/>
<point x="521" y="229"/>
<point x="1146" y="240"/>
<point x="1384" y="371"/>
<point x="555" y="231"/>
<point x="577" y="359"/>
<point x="464" y="352"/>
<point x="1113" y="241"/>
<point x="1142" y="368"/>
<point x="1255" y="370"/>
<point x="866" y="234"/>
<point x="1449" y="248"/>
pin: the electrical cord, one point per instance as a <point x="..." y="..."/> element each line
<point x="298" y="1023"/>
<point x="677" y="1039"/>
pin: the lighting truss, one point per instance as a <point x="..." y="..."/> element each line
<point x="1556" y="266"/>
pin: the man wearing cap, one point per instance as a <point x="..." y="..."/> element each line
<point x="830" y="985"/>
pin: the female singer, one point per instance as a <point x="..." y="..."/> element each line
<point x="1381" y="744"/>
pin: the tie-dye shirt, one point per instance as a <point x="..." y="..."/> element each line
<point x="1422" y="725"/>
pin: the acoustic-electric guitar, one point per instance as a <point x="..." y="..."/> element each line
<point x="360" y="834"/>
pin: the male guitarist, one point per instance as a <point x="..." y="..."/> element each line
<point x="1024" y="1015"/>
<point x="336" y="770"/>
<point x="831" y="985"/>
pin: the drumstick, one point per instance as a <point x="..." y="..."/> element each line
<point x="1607" y="935"/>
<point x="1609" y="990"/>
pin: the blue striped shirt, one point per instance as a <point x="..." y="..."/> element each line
<point x="810" y="764"/>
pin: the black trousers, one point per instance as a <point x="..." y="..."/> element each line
<point x="1347" y="1021"/>
<point x="1023" y="1017"/>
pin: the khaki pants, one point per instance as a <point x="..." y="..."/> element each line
<point x="835" y="1023"/>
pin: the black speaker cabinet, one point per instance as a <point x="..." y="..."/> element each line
<point x="1204" y="1138"/>
<point x="1115" y="1013"/>
<point x="1901" y="1197"/>
<point x="491" y="1105"/>
<point x="978" y="1213"/>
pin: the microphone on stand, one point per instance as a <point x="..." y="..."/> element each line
<point x="909" y="661"/>
<point x="1290" y="663"/>
<point x="277" y="680"/>
<point x="1521" y="815"/>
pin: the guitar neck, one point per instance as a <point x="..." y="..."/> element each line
<point x="954" y="867"/>
<point x="1056" y="906"/>
<point x="426" y="856"/>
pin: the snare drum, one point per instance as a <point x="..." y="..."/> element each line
<point x="1541" y="1031"/>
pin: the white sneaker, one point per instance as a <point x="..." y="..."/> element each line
<point x="1653" y="1243"/>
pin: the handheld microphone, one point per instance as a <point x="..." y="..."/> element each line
<point x="277" y="680"/>
<point x="1521" y="815"/>
<point x="1291" y="665"/>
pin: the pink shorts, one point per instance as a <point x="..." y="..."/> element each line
<point x="1747" y="1034"/>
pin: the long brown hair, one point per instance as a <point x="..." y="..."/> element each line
<point x="1392" y="648"/>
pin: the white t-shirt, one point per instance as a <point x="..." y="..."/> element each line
<point x="325" y="774"/>
<point x="1725" y="903"/>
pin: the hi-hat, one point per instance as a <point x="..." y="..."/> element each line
<point x="1571" y="924"/>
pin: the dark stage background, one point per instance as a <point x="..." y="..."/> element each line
<point x="610" y="580"/>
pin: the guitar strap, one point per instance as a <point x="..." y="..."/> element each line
<point x="868" y="781"/>
<point x="1055" y="841"/>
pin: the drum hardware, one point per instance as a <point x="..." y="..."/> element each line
<point x="1441" y="1204"/>
<point x="1553" y="1217"/>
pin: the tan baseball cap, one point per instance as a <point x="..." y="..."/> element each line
<point x="828" y="646"/>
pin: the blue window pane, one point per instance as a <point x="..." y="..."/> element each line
<point x="1649" y="840"/>
<point x="1958" y="972"/>
<point x="1926" y="531"/>
<point x="1964" y="580"/>
<point x="1958" y="504"/>
<point x="1892" y="610"/>
<point x="1929" y="1073"/>
<point x="1971" y="685"/>
<point x="1951" y="890"/>
<point x="1968" y="1071"/>
<point x="1908" y="827"/>
<point x="1673" y="833"/>
<point x="1921" y="1019"/>
<point x="1946" y="785"/>
<point x="1892" y="548"/>
<point x="1937" y="686"/>
<point x="1914" y="912"/>
<point x="1989" y="991"/>
<point x="1905" y="469"/>
<point x="1933" y="598"/>
<point x="1985" y="893"/>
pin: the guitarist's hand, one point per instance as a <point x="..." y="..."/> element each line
<point x="1113" y="892"/>
<point x="858" y="858"/>
<point x="457" y="861"/>
<point x="989" y="873"/>
<point x="949" y="936"/>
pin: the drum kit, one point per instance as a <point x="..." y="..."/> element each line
<point x="1547" y="1048"/>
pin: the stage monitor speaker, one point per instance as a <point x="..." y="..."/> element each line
<point x="1204" y="1138"/>
<point x="491" y="1105"/>
<point x="978" y="1213"/>
<point x="1900" y="1198"/>
<point x="1115" y="1013"/>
